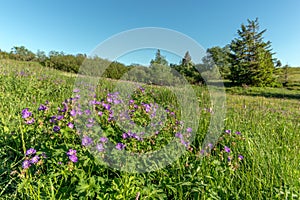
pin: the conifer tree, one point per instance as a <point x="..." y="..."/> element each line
<point x="252" y="61"/>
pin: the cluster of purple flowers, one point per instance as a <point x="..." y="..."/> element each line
<point x="31" y="158"/>
<point x="71" y="108"/>
<point x="42" y="107"/>
<point x="120" y="146"/>
<point x="74" y="112"/>
<point x="90" y="123"/>
<point x="130" y="134"/>
<point x="56" y="128"/>
<point x="86" y="141"/>
<point x="113" y="98"/>
<point x="147" y="107"/>
<point x="65" y="109"/>
<point x="70" y="125"/>
<point x="72" y="155"/>
<point x="229" y="158"/>
<point x="27" y="116"/>
<point x="184" y="138"/>
<point x="228" y="150"/>
<point x="150" y="108"/>
<point x="100" y="146"/>
<point x="228" y="131"/>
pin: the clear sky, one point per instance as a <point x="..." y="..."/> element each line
<point x="79" y="26"/>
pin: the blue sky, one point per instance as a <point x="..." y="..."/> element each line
<point x="79" y="26"/>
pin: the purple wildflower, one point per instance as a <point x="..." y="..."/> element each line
<point x="79" y="112"/>
<point x="117" y="101"/>
<point x="100" y="113"/>
<point x="59" y="117"/>
<point x="142" y="89"/>
<point x="71" y="152"/>
<point x="229" y="158"/>
<point x="202" y="152"/>
<point x="185" y="143"/>
<point x="97" y="102"/>
<point x="240" y="157"/>
<point x="106" y="106"/>
<point x="124" y="135"/>
<point x="109" y="99"/>
<point x="53" y="119"/>
<point x="89" y="125"/>
<point x="238" y="133"/>
<point x="92" y="102"/>
<point x="189" y="130"/>
<point x="65" y="108"/>
<point x="147" y="107"/>
<point x="103" y="139"/>
<point x="137" y="137"/>
<point x="91" y="120"/>
<point x="43" y="155"/>
<point x="31" y="121"/>
<point x="179" y="135"/>
<point x="70" y="125"/>
<point x="131" y="101"/>
<point x="76" y="90"/>
<point x="87" y="112"/>
<point x="120" y="146"/>
<point x="56" y="128"/>
<point x="77" y="96"/>
<point x="26" y="164"/>
<point x="30" y="151"/>
<point x="73" y="113"/>
<point x="42" y="107"/>
<point x="35" y="159"/>
<point x="130" y="134"/>
<point x="73" y="158"/>
<point x="153" y="114"/>
<point x="228" y="131"/>
<point x="86" y="141"/>
<point x="26" y="113"/>
<point x="100" y="147"/>
<point x="227" y="149"/>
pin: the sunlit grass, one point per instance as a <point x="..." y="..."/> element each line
<point x="268" y="120"/>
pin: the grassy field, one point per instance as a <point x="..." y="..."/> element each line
<point x="255" y="157"/>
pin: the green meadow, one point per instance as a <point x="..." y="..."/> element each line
<point x="256" y="154"/>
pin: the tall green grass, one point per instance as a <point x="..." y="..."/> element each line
<point x="269" y="142"/>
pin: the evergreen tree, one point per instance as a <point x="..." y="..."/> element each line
<point x="251" y="58"/>
<point x="159" y="59"/>
<point x="187" y="60"/>
<point x="188" y="69"/>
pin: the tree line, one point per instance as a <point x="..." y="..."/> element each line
<point x="246" y="60"/>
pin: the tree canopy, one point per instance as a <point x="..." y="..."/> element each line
<point x="159" y="59"/>
<point x="251" y="58"/>
<point x="248" y="59"/>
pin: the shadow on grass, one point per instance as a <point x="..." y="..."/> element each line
<point x="280" y="93"/>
